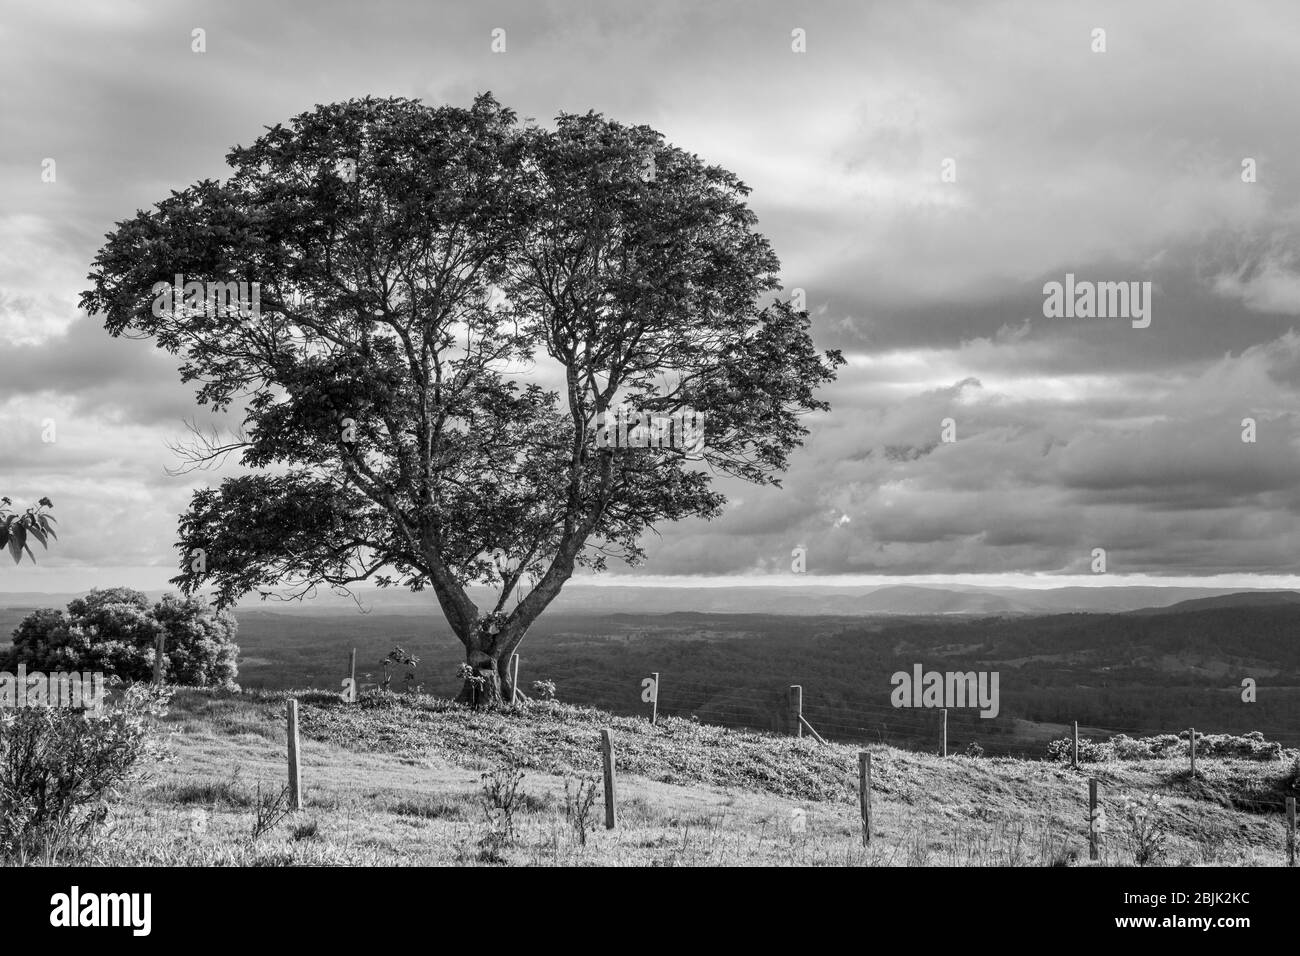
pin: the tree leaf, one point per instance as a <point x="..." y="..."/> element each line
<point x="17" y="540"/>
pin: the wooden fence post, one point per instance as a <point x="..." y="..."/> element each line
<point x="295" y="768"/>
<point x="1074" y="761"/>
<point x="654" y="702"/>
<point x="352" y="673"/>
<point x="1092" y="820"/>
<point x="514" y="678"/>
<point x="159" y="649"/>
<point x="796" y="709"/>
<point x="1290" y="831"/>
<point x="1191" y="739"/>
<point x="864" y="794"/>
<point x="943" y="737"/>
<point x="607" y="752"/>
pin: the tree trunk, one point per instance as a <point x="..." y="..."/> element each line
<point x="489" y="657"/>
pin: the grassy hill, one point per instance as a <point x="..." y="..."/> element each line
<point x="398" y="779"/>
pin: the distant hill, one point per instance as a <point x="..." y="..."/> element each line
<point x="803" y="601"/>
<point x="1240" y="599"/>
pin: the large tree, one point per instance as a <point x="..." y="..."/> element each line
<point x="448" y="298"/>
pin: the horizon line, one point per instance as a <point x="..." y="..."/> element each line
<point x="1016" y="581"/>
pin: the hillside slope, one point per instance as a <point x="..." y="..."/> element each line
<point x="398" y="781"/>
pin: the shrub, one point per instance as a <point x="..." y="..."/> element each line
<point x="472" y="677"/>
<point x="1089" y="752"/>
<point x="270" y="809"/>
<point x="1251" y="746"/>
<point x="199" y="649"/>
<point x="1146" y="828"/>
<point x="115" y="631"/>
<point x="579" y="797"/>
<point x="60" y="767"/>
<point x="544" y="689"/>
<point x="398" y="655"/>
<point x="1140" y="748"/>
<point x="501" y="799"/>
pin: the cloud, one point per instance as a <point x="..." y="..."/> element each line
<point x="1152" y="467"/>
<point x="1070" y="434"/>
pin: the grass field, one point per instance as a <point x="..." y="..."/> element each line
<point x="397" y="780"/>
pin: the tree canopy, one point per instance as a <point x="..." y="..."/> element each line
<point x="448" y="298"/>
<point x="115" y="630"/>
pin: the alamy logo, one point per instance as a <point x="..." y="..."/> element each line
<point x="1098" y="300"/>
<point x="102" y="909"/>
<point x="242" y="299"/>
<point x="60" y="689"/>
<point x="628" y="428"/>
<point x="949" y="689"/>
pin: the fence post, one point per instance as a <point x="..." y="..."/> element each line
<point x="796" y="709"/>
<point x="1290" y="831"/>
<point x="352" y="674"/>
<point x="943" y="737"/>
<point x="654" y="702"/>
<point x="1092" y="820"/>
<point x="295" y="769"/>
<point x="607" y="752"/>
<point x="1074" y="760"/>
<point x="514" y="678"/>
<point x="864" y="794"/>
<point x="812" y="730"/>
<point x="159" y="649"/>
<point x="1191" y="739"/>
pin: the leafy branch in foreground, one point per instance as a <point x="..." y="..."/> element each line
<point x="18" y="527"/>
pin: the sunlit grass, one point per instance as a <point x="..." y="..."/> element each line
<point x="397" y="782"/>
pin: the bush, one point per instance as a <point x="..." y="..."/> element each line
<point x="270" y="810"/>
<point x="1251" y="746"/>
<point x="398" y="655"/>
<point x="115" y="631"/>
<point x="1291" y="779"/>
<point x="578" y="802"/>
<point x="501" y="799"/>
<point x="1147" y="828"/>
<point x="1089" y="752"/>
<point x="59" y="767"/>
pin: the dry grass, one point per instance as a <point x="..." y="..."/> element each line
<point x="398" y="783"/>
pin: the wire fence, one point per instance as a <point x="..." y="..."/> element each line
<point x="765" y="708"/>
<point x="913" y="728"/>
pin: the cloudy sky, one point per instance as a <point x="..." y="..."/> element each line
<point x="1072" y="433"/>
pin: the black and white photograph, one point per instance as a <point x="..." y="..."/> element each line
<point x="444" y="438"/>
